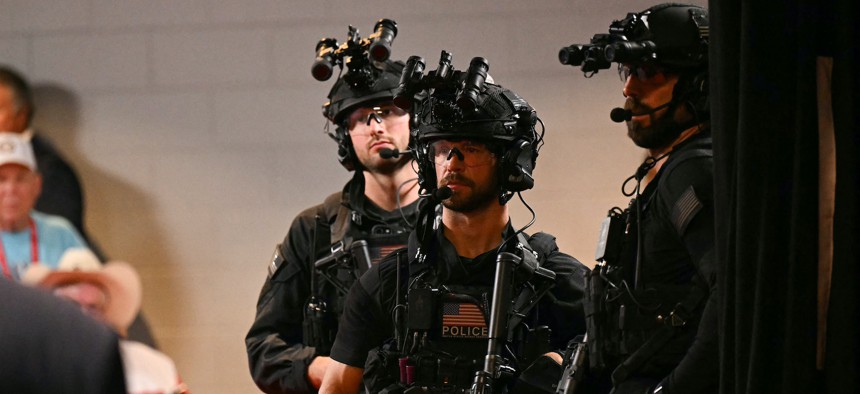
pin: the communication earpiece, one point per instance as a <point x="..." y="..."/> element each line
<point x="698" y="91"/>
<point x="517" y="165"/>
<point x="426" y="167"/>
<point x="345" y="153"/>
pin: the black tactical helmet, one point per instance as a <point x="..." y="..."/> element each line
<point x="350" y="91"/>
<point x="500" y="115"/>
<point x="674" y="36"/>
<point x="500" y="118"/>
<point x="670" y="34"/>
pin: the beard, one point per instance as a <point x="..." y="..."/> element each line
<point x="474" y="197"/>
<point x="662" y="131"/>
<point x="379" y="165"/>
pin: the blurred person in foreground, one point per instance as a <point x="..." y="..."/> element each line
<point x="112" y="294"/>
<point x="49" y="346"/>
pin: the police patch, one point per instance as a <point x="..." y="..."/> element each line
<point x="463" y="320"/>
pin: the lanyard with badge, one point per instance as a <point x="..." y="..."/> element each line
<point x="34" y="250"/>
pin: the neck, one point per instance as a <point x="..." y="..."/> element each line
<point x="685" y="135"/>
<point x="475" y="232"/>
<point x="382" y="189"/>
<point x="15" y="225"/>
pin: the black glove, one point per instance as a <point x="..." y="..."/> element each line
<point x="540" y="377"/>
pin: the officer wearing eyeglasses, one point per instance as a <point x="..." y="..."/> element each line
<point x="329" y="245"/>
<point x="653" y="295"/>
<point x="420" y="320"/>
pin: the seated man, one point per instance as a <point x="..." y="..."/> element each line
<point x="428" y="308"/>
<point x="28" y="237"/>
<point x="62" y="193"/>
<point x="111" y="294"/>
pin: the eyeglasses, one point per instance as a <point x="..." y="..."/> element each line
<point x="381" y="113"/>
<point x="472" y="154"/>
<point x="645" y="72"/>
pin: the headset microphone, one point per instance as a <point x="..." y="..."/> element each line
<point x="619" y="115"/>
<point x="443" y="193"/>
<point x="393" y="153"/>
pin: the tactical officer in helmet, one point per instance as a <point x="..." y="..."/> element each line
<point x="424" y="312"/>
<point x="651" y="310"/>
<point x="329" y="245"/>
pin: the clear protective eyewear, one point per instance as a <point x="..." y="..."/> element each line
<point x="472" y="154"/>
<point x="645" y="72"/>
<point x="380" y="113"/>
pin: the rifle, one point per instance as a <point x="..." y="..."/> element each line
<point x="318" y="326"/>
<point x="506" y="314"/>
<point x="355" y="255"/>
<point x="575" y="361"/>
<point x="495" y="366"/>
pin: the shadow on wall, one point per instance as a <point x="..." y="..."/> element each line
<point x="118" y="216"/>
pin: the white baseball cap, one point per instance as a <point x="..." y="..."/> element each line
<point x="15" y="149"/>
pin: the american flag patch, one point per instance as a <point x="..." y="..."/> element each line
<point x="685" y="209"/>
<point x="379" y="252"/>
<point x="463" y="320"/>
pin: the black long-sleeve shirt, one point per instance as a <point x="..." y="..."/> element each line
<point x="678" y="249"/>
<point x="277" y="357"/>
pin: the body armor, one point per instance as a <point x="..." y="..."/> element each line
<point x="447" y="328"/>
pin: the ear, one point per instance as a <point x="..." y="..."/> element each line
<point x="37" y="183"/>
<point x="21" y="120"/>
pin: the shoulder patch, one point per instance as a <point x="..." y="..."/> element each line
<point x="276" y="261"/>
<point x="685" y="208"/>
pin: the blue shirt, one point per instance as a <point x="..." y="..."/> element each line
<point x="54" y="235"/>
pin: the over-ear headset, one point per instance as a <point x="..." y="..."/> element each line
<point x="520" y="158"/>
<point x="517" y="165"/>
<point x="345" y="152"/>
<point x="692" y="91"/>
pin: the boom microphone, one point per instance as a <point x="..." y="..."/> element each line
<point x="393" y="153"/>
<point x="619" y="115"/>
<point x="443" y="193"/>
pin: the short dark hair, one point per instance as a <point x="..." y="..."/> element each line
<point x="21" y="93"/>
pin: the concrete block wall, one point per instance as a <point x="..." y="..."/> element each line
<point x="195" y="126"/>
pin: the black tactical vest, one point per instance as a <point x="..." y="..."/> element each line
<point x="346" y="244"/>
<point x="446" y="335"/>
<point x="629" y="324"/>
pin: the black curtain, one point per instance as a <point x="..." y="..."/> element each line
<point x="764" y="113"/>
<point x="842" y="364"/>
